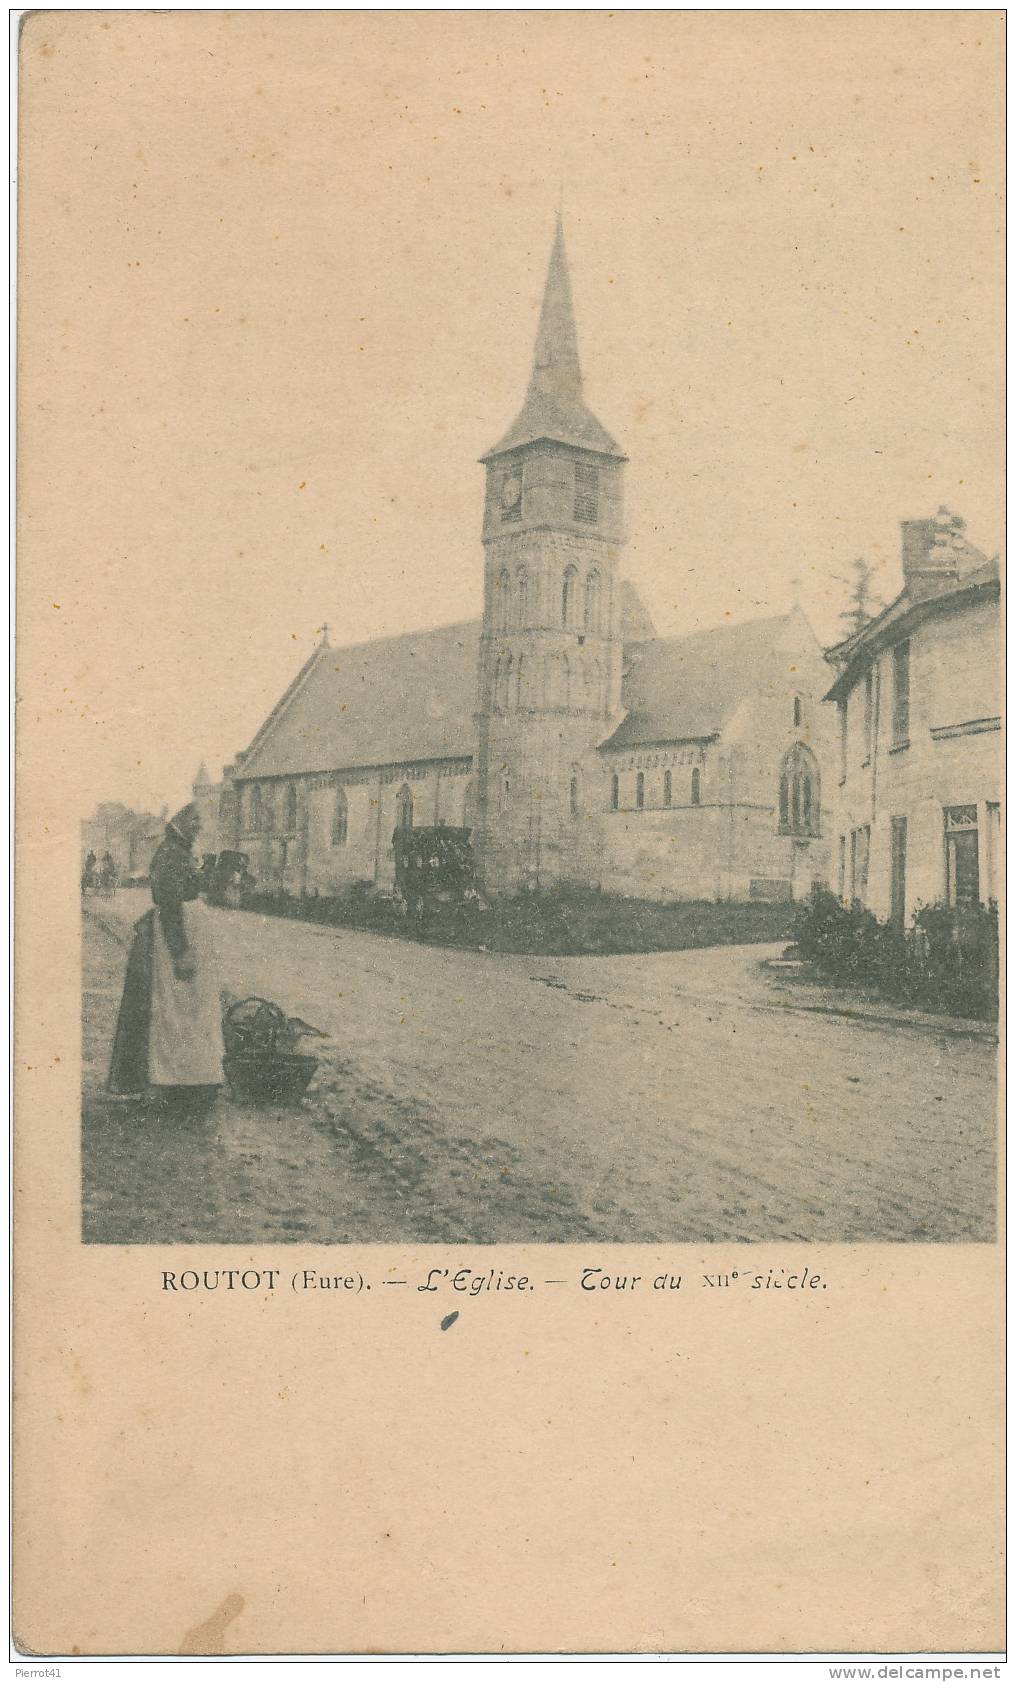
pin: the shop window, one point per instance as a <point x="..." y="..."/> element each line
<point x="962" y="870"/>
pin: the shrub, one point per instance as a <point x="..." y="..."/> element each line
<point x="553" y="922"/>
<point x="947" y="960"/>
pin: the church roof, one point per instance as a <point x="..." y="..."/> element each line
<point x="391" y="701"/>
<point x="684" y="689"/>
<point x="554" y="407"/>
<point x="411" y="698"/>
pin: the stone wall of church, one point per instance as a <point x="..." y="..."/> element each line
<point x="709" y="852"/>
<point x="663" y="828"/>
<point x="703" y="821"/>
<point x="322" y="833"/>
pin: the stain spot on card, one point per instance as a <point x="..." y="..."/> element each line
<point x="207" y="1638"/>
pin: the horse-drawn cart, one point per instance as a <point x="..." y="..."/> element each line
<point x="434" y="866"/>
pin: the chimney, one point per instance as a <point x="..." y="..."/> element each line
<point x="933" y="551"/>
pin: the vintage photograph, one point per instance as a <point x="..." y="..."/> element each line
<point x="552" y="791"/>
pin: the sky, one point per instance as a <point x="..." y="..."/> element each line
<point x="280" y="281"/>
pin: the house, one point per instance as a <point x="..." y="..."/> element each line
<point x="576" y="744"/>
<point x="917" y="807"/>
<point x="129" y="837"/>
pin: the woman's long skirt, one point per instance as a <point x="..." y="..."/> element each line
<point x="169" y="1032"/>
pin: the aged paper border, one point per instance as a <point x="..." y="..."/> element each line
<point x="555" y="1474"/>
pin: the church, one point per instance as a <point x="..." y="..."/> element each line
<point x="576" y="745"/>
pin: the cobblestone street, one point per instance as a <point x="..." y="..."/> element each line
<point x="462" y="1097"/>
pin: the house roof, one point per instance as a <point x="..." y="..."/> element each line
<point x="902" y="615"/>
<point x="398" y="699"/>
<point x="683" y="689"/>
<point x="554" y="407"/>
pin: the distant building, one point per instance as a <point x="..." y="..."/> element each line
<point x="129" y="837"/>
<point x="207" y="797"/>
<point x="575" y="744"/>
<point x="917" y="807"/>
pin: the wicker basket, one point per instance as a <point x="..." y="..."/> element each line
<point x="273" y="1077"/>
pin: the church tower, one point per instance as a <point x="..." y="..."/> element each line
<point x="550" y="652"/>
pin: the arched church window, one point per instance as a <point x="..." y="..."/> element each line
<point x="521" y="597"/>
<point x="668" y="788"/>
<point x="573" y="796"/>
<point x="594" y="694"/>
<point x="535" y="681"/>
<point x="556" y="681"/>
<point x="291" y="806"/>
<point x="592" y="617"/>
<point x="340" y="819"/>
<point x="640" y="790"/>
<point x="799" y="808"/>
<point x="404" y="808"/>
<point x="521" y="681"/>
<point x="502" y="599"/>
<point x="615" y="792"/>
<point x="567" y="682"/>
<point x="696" y="786"/>
<point x="569" y="598"/>
<point x="502" y="682"/>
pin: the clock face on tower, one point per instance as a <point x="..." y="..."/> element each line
<point x="511" y="493"/>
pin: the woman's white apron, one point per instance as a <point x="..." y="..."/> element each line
<point x="185" y="1037"/>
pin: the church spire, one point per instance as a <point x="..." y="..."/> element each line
<point x="556" y="371"/>
<point x="554" y="408"/>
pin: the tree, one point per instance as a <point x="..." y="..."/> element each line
<point x="863" y="601"/>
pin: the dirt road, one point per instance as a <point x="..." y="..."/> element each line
<point x="468" y="1097"/>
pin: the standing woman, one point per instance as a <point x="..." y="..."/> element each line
<point x="169" y="1031"/>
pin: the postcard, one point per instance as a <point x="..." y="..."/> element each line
<point x="510" y="833"/>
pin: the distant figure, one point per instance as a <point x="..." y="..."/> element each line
<point x="107" y="874"/>
<point x="169" y="1031"/>
<point x="88" y="873"/>
<point x="208" y="875"/>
